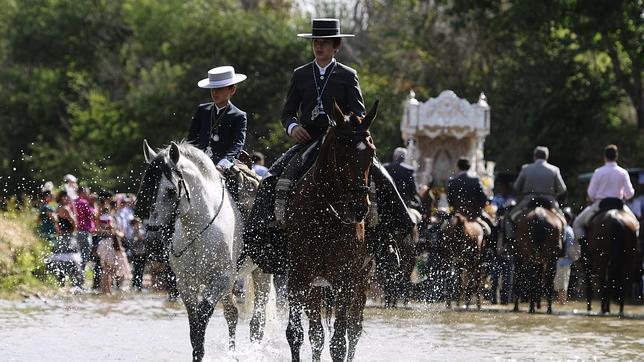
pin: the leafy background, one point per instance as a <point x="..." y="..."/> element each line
<point x="82" y="83"/>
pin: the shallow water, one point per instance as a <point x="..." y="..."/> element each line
<point x="147" y="328"/>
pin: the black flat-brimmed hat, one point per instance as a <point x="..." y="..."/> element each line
<point x="325" y="28"/>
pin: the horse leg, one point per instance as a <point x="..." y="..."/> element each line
<point x="197" y="327"/>
<point x="294" y="331"/>
<point x="478" y="275"/>
<point x="339" y="341"/>
<point x="262" y="286"/>
<point x="605" y="286"/>
<point x="316" y="331"/>
<point x="231" y="314"/>
<point x="354" y="328"/>
<point x="551" y="270"/>
<point x="518" y="285"/>
<point x="532" y="286"/>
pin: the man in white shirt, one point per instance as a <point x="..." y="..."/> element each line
<point x="608" y="181"/>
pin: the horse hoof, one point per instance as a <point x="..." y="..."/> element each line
<point x="549" y="311"/>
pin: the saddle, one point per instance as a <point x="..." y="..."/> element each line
<point x="610" y="203"/>
<point x="541" y="201"/>
<point x="293" y="172"/>
<point x="545" y="202"/>
<point x="243" y="183"/>
<point x="469" y="216"/>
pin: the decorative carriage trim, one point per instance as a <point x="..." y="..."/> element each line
<point x="442" y="129"/>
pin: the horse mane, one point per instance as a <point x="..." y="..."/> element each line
<point x="197" y="157"/>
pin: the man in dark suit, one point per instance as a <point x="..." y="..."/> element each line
<point x="218" y="127"/>
<point x="313" y="90"/>
<point x="403" y="176"/>
<point x="465" y="194"/>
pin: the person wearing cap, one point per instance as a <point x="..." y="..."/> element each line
<point x="608" y="182"/>
<point x="219" y="128"/>
<point x="403" y="176"/>
<point x="313" y="89"/>
<point x="541" y="179"/>
<point x="70" y="185"/>
<point x="465" y="194"/>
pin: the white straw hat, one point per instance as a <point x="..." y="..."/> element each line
<point x="221" y="77"/>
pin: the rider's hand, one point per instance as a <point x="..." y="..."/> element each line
<point x="220" y="168"/>
<point x="300" y="134"/>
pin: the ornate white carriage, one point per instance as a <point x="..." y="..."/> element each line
<point x="442" y="129"/>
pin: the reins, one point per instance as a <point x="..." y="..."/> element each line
<point x="358" y="189"/>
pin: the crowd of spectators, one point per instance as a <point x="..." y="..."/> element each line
<point x="92" y="231"/>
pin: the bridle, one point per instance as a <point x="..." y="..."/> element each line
<point x="358" y="188"/>
<point x="168" y="228"/>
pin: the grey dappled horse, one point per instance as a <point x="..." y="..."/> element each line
<point x="183" y="194"/>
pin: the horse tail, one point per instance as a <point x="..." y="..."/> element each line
<point x="539" y="228"/>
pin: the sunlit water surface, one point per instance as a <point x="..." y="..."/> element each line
<point x="145" y="327"/>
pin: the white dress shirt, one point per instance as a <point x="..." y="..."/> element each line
<point x="223" y="163"/>
<point x="610" y="180"/>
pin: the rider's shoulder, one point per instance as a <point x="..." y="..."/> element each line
<point x="205" y="106"/>
<point x="302" y="68"/>
<point x="346" y="68"/>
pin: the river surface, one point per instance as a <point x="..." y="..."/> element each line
<point x="145" y="327"/>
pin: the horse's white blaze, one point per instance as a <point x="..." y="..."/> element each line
<point x="361" y="146"/>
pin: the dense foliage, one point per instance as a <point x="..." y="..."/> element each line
<point x="82" y="83"/>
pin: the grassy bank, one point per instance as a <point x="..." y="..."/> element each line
<point x="22" y="253"/>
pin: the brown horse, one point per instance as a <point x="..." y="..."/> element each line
<point x="538" y="245"/>
<point x="326" y="237"/>
<point x="464" y="243"/>
<point x="610" y="256"/>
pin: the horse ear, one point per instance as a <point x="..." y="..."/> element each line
<point x="174" y="153"/>
<point x="338" y="116"/>
<point x="148" y="152"/>
<point x="371" y="115"/>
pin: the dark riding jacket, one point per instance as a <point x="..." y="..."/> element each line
<point x="466" y="192"/>
<point x="342" y="85"/>
<point x="403" y="177"/>
<point x="231" y="131"/>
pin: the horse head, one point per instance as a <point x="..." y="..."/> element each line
<point x="342" y="170"/>
<point x="163" y="190"/>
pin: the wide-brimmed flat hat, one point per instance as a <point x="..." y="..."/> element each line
<point x="221" y="77"/>
<point x="325" y="28"/>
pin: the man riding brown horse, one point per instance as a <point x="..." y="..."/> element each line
<point x="539" y="184"/>
<point x="314" y="88"/>
<point x="608" y="182"/>
<point x="466" y="196"/>
<point x="610" y="249"/>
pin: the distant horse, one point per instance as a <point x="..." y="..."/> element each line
<point x="464" y="241"/>
<point x="538" y="245"/>
<point x="396" y="264"/>
<point x="326" y="237"/>
<point x="183" y="195"/>
<point x="610" y="254"/>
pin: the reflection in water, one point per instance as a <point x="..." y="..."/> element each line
<point x="145" y="327"/>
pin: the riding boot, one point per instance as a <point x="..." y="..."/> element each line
<point x="282" y="194"/>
